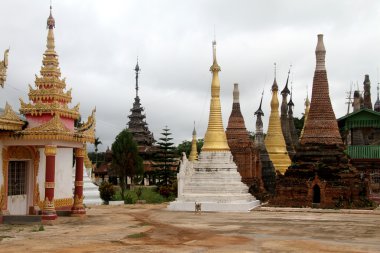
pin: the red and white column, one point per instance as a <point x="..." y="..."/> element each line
<point x="78" y="208"/>
<point x="48" y="211"/>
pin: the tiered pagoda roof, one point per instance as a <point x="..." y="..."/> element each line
<point x="9" y="120"/>
<point x="137" y="124"/>
<point x="47" y="112"/>
<point x="49" y="97"/>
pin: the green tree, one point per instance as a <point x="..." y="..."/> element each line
<point x="165" y="162"/>
<point x="298" y="123"/>
<point x="125" y="159"/>
<point x="185" y="146"/>
<point x="96" y="144"/>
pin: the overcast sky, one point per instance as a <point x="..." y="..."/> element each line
<point x="98" y="42"/>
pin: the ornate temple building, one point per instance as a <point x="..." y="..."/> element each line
<point x="212" y="181"/>
<point x="274" y="141"/>
<point x="139" y="128"/>
<point x="267" y="168"/>
<point x="38" y="148"/>
<point x="285" y="127"/>
<point x="246" y="156"/>
<point x="320" y="174"/>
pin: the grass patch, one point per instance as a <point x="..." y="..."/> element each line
<point x="137" y="235"/>
<point x="38" y="228"/>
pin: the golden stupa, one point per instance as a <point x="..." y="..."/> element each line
<point x="194" y="152"/>
<point x="215" y="137"/>
<point x="307" y="109"/>
<point x="274" y="141"/>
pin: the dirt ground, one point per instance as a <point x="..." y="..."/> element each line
<point x="151" y="228"/>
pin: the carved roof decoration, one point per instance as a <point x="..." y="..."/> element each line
<point x="52" y="108"/>
<point x="55" y="129"/>
<point x="9" y="119"/>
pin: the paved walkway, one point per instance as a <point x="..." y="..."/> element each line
<point x="151" y="228"/>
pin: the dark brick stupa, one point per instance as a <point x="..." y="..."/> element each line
<point x="246" y="156"/>
<point x="267" y="168"/>
<point x="320" y="174"/>
<point x="285" y="119"/>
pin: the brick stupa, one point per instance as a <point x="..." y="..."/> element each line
<point x="320" y="174"/>
<point x="246" y="156"/>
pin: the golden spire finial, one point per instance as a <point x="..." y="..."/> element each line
<point x="215" y="137"/>
<point x="50" y="24"/>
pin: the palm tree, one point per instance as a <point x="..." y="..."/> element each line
<point x="96" y="144"/>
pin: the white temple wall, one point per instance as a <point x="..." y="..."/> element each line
<point x="63" y="173"/>
<point x="41" y="173"/>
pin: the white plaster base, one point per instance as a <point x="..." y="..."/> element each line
<point x="214" y="182"/>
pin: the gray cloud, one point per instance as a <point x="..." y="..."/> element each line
<point x="98" y="42"/>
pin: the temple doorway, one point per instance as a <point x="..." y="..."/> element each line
<point x="18" y="187"/>
<point x="316" y="194"/>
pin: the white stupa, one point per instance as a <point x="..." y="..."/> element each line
<point x="90" y="190"/>
<point x="213" y="180"/>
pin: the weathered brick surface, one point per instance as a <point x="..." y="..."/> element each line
<point x="321" y="126"/>
<point x="320" y="167"/>
<point x="246" y="156"/>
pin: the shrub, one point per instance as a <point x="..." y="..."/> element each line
<point x="151" y="196"/>
<point x="130" y="197"/>
<point x="106" y="191"/>
<point x="117" y="196"/>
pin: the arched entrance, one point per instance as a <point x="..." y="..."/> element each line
<point x="316" y="194"/>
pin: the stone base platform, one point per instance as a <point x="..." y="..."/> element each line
<point x="214" y="182"/>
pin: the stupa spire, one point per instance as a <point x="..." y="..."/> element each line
<point x="367" y="93"/>
<point x="292" y="128"/>
<point x="215" y="137"/>
<point x="50" y="24"/>
<point x="137" y="70"/>
<point x="284" y="117"/>
<point x="274" y="140"/>
<point x="307" y="108"/>
<point x="321" y="126"/>
<point x="259" y="136"/>
<point x="194" y="152"/>
<point x="377" y="103"/>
